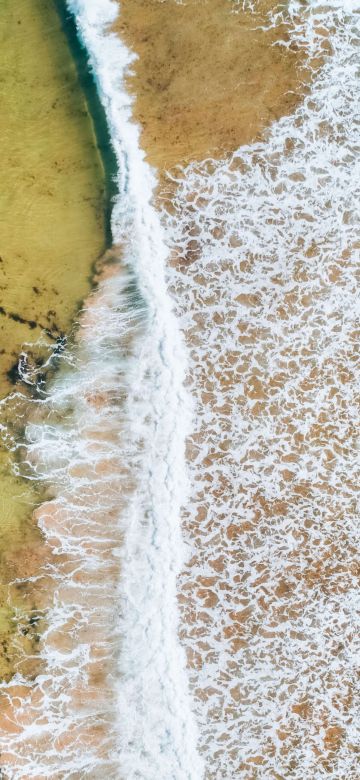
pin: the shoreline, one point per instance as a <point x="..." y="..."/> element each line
<point x="228" y="631"/>
<point x="156" y="731"/>
<point x="260" y="271"/>
<point x="87" y="82"/>
<point x="140" y="390"/>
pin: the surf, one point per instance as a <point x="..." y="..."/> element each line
<point x="175" y="644"/>
<point x="108" y="444"/>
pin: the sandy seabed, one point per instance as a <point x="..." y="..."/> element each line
<point x="263" y="284"/>
<point x="263" y="277"/>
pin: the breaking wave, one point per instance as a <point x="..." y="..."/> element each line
<point x="109" y="442"/>
<point x="263" y="278"/>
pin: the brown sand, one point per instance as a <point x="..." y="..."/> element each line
<point x="207" y="78"/>
<point x="172" y="117"/>
<point x="242" y="601"/>
<point x="207" y="81"/>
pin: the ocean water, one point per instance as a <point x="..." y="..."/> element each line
<point x="49" y="163"/>
<point x="200" y="447"/>
<point x="96" y="441"/>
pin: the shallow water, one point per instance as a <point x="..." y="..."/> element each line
<point x="51" y="179"/>
<point x="210" y="75"/>
<point x="226" y="323"/>
<point x="52" y="227"/>
<point x="95" y="440"/>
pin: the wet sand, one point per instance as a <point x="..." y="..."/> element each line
<point x="266" y="527"/>
<point x="243" y="594"/>
<point x="208" y="77"/>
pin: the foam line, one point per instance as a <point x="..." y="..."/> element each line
<point x="109" y="440"/>
<point x="156" y="728"/>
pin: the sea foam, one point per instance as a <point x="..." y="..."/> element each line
<point x="109" y="440"/>
<point x="269" y="312"/>
<point x="266" y="289"/>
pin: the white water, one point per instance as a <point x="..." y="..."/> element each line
<point x="109" y="440"/>
<point x="270" y="312"/>
<point x="157" y="732"/>
<point x="275" y="227"/>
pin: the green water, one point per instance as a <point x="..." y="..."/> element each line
<point x="55" y="191"/>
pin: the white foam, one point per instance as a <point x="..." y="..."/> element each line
<point x="132" y="388"/>
<point x="131" y="358"/>
<point x="270" y="311"/>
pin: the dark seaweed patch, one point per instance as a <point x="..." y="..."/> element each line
<point x="13" y="373"/>
<point x="17" y="318"/>
<point x="54" y="333"/>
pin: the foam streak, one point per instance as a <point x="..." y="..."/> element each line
<point x="109" y="440"/>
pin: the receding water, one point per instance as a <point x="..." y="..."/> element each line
<point x="262" y="232"/>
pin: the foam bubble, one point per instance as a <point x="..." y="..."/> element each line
<point x="264" y="278"/>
